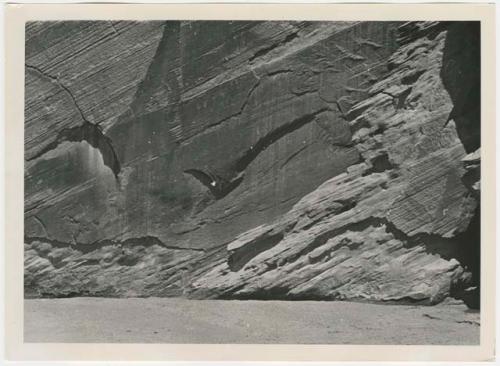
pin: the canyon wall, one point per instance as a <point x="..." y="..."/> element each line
<point x="302" y="160"/>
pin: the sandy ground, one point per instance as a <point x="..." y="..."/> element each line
<point x="167" y="320"/>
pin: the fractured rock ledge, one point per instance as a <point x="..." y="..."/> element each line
<point x="390" y="228"/>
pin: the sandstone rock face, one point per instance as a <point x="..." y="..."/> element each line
<point x="252" y="160"/>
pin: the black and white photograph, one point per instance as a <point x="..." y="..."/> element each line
<point x="252" y="182"/>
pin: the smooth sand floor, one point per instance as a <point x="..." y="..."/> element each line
<point x="169" y="320"/>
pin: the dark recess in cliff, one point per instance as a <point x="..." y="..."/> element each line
<point x="221" y="187"/>
<point x="239" y="257"/>
<point x="94" y="136"/>
<point x="87" y="131"/>
<point x="461" y="75"/>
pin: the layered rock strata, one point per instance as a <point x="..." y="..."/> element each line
<point x="335" y="154"/>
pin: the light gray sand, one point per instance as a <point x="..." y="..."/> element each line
<point x="167" y="320"/>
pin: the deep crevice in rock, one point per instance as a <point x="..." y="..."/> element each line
<point x="468" y="253"/>
<point x="145" y="241"/>
<point x="345" y="205"/>
<point x="241" y="256"/>
<point x="461" y="76"/>
<point x="283" y="294"/>
<point x="412" y="78"/>
<point x="87" y="131"/>
<point x="264" y="142"/>
<point x="411" y="31"/>
<point x="220" y="185"/>
<point x="279" y="72"/>
<point x="380" y="164"/>
<point x="399" y="100"/>
<point x="266" y="50"/>
<point x="94" y="136"/>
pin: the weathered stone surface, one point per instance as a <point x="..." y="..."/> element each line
<point x="390" y="228"/>
<point x="330" y="150"/>
<point x="136" y="267"/>
<point x="472" y="176"/>
<point x="265" y="93"/>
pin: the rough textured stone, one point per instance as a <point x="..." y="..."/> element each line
<point x="335" y="153"/>
<point x="262" y="91"/>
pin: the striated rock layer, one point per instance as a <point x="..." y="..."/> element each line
<point x="302" y="160"/>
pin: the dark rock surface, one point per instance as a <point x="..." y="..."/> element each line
<point x="335" y="154"/>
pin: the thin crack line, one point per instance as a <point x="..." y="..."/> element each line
<point x="64" y="87"/>
<point x="37" y="219"/>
